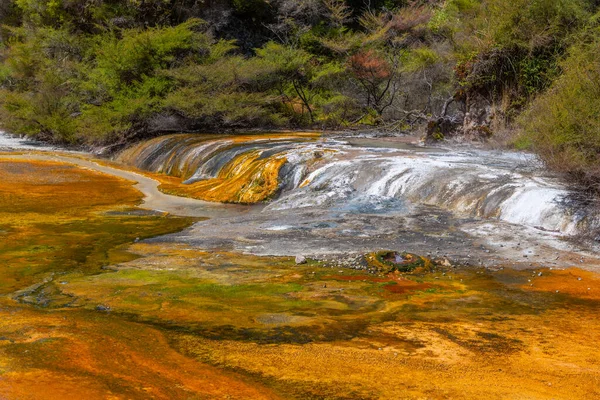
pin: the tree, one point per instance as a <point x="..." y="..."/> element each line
<point x="292" y="69"/>
<point x="376" y="77"/>
<point x="338" y="12"/>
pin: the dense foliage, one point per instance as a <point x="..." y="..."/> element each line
<point x="563" y="124"/>
<point x="106" y="71"/>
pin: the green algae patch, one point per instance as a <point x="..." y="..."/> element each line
<point x="85" y="245"/>
<point x="56" y="218"/>
<point x="271" y="299"/>
<point x="242" y="293"/>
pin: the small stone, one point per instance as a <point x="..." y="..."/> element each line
<point x="443" y="262"/>
<point x="102" y="307"/>
<point x="300" y="259"/>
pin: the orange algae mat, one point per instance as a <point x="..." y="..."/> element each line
<point x="57" y="352"/>
<point x="52" y="188"/>
<point x="87" y="313"/>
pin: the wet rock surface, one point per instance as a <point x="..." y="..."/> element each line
<point x="362" y="194"/>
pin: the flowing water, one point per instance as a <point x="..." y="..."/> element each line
<point x="9" y="142"/>
<point x="430" y="272"/>
<point x="344" y="194"/>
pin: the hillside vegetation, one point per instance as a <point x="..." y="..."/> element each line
<point x="109" y="71"/>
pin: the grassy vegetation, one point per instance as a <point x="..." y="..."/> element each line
<point x="108" y="71"/>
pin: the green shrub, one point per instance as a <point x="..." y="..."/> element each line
<point x="512" y="48"/>
<point x="563" y="124"/>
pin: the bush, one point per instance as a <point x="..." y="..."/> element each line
<point x="70" y="88"/>
<point x="513" y="48"/>
<point x="563" y="125"/>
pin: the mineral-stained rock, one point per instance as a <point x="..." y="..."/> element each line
<point x="390" y="261"/>
<point x="444" y="262"/>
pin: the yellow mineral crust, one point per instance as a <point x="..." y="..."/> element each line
<point x="246" y="179"/>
